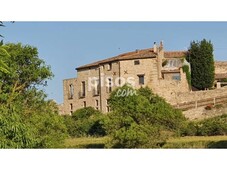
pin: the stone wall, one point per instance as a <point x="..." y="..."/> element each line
<point x="67" y="106"/>
<point x="186" y="97"/>
<point x="220" y="67"/>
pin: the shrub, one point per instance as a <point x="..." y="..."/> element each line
<point x="137" y="136"/>
<point x="86" y="122"/>
<point x="13" y="132"/>
<point x="212" y="126"/>
<point x="137" y="121"/>
<point x="209" y="107"/>
<point x="189" y="129"/>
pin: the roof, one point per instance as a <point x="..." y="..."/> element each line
<point x="138" y="54"/>
<point x="175" y="54"/>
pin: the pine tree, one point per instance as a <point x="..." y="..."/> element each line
<point x="202" y="64"/>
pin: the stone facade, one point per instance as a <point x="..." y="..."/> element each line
<point x="220" y="67"/>
<point x="142" y="68"/>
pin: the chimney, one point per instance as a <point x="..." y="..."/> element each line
<point x="155" y="47"/>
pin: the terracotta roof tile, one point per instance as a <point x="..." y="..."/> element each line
<point x="138" y="54"/>
<point x="175" y="54"/>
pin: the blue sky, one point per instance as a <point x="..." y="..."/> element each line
<point x="67" y="45"/>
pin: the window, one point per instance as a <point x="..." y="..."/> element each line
<point x="71" y="91"/>
<point x="96" y="88"/>
<point x="141" y="79"/>
<point x="71" y="106"/>
<point x="85" y="104"/>
<point x="107" y="108"/>
<point x="97" y="104"/>
<point x="176" y="76"/>
<point x="109" y="88"/>
<point x="109" y="66"/>
<point x="136" y="62"/>
<point x="83" y="90"/>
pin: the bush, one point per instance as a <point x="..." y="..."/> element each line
<point x="140" y="120"/>
<point x="212" y="126"/>
<point x="13" y="132"/>
<point x="189" y="129"/>
<point x="49" y="129"/>
<point x="137" y="136"/>
<point x="86" y="122"/>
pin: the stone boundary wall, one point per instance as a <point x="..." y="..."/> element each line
<point x="186" y="101"/>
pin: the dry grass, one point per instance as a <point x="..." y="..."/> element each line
<point x="86" y="142"/>
<point x="196" y="142"/>
<point x="198" y="138"/>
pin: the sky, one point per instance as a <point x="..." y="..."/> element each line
<point x="67" y="45"/>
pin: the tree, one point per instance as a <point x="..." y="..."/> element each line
<point x="27" y="119"/>
<point x="26" y="69"/>
<point x="141" y="120"/>
<point x="3" y="55"/>
<point x="202" y="64"/>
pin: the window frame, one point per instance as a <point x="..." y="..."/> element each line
<point x="136" y="62"/>
<point x="141" y="76"/>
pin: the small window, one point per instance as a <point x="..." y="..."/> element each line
<point x="71" y="106"/>
<point x="71" y="91"/>
<point x="176" y="77"/>
<point x="97" y="104"/>
<point x="109" y="88"/>
<point x="108" y="109"/>
<point x="83" y="89"/>
<point x="109" y="66"/>
<point x="141" y="79"/>
<point x="85" y="104"/>
<point x="96" y="88"/>
<point x="137" y="62"/>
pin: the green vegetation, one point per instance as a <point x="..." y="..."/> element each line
<point x="202" y="64"/>
<point x="27" y="120"/>
<point x="164" y="63"/>
<point x="142" y="120"/>
<point x="86" y="142"/>
<point x="209" y="127"/>
<point x="139" y="120"/>
<point x="85" y="122"/>
<point x="188" y="74"/>
<point x="196" y="142"/>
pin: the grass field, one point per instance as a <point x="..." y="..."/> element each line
<point x="88" y="142"/>
<point x="196" y="142"/>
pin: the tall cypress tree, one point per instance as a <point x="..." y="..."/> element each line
<point x="202" y="64"/>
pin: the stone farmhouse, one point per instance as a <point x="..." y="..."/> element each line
<point x="160" y="70"/>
